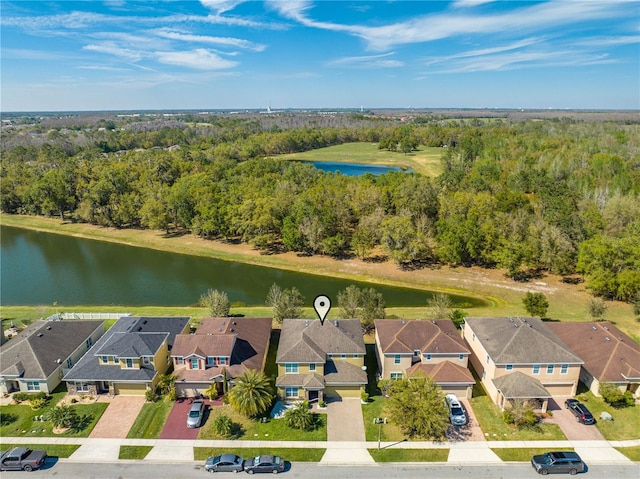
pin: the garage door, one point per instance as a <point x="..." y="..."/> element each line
<point x="559" y="389"/>
<point x="342" y="391"/>
<point x="130" y="389"/>
<point x="459" y="391"/>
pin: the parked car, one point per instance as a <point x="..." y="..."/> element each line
<point x="457" y="416"/>
<point x="580" y="411"/>
<point x="196" y="413"/>
<point x="21" y="459"/>
<point x="274" y="464"/>
<point x="224" y="463"/>
<point x="552" y="462"/>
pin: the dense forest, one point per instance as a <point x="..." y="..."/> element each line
<point x="557" y="195"/>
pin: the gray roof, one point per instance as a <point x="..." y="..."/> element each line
<point x="35" y="352"/>
<point x="309" y="341"/>
<point x="520" y="341"/>
<point x="132" y="345"/>
<point x="520" y="386"/>
<point x="342" y="372"/>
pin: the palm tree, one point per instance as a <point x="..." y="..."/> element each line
<point x="166" y="382"/>
<point x="252" y="393"/>
<point x="62" y="416"/>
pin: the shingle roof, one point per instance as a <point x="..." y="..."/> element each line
<point x="310" y="341"/>
<point x="34" y="353"/>
<point x="520" y="386"/>
<point x="520" y="341"/>
<point x="443" y="372"/>
<point x="608" y="353"/>
<point x="341" y="372"/>
<point x="435" y="337"/>
<point x="132" y="345"/>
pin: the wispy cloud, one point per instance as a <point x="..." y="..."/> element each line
<point x="200" y="59"/>
<point x="221" y="6"/>
<point x="115" y="50"/>
<point x="368" y="61"/>
<point x="227" y="41"/>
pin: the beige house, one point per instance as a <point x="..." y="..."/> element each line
<point x="319" y="361"/>
<point x="430" y="348"/>
<point x="521" y="359"/>
<point x="609" y="355"/>
<point x="220" y="350"/>
<point x="129" y="358"/>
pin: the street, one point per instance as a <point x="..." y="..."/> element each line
<point x="142" y="470"/>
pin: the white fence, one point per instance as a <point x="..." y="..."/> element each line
<point x="99" y="316"/>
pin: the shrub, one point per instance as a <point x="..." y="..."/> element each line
<point x="614" y="396"/>
<point x="37" y="403"/>
<point x="172" y="395"/>
<point x="364" y="396"/>
<point x="222" y="425"/>
<point x="62" y="416"/>
<point x="520" y="414"/>
<point x="299" y="416"/>
<point x="150" y="395"/>
<point x="212" y="392"/>
<point x="23" y="396"/>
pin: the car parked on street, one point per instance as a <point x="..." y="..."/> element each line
<point x="580" y="411"/>
<point x="552" y="462"/>
<point x="273" y="464"/>
<point x="457" y="416"/>
<point x="195" y="414"/>
<point x="224" y="463"/>
<point x="21" y="459"/>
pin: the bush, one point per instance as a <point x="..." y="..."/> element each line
<point x="520" y="414"/>
<point x="37" y="403"/>
<point x="150" y="395"/>
<point x="23" y="396"/>
<point x="614" y="396"/>
<point x="299" y="416"/>
<point x="222" y="425"/>
<point x="364" y="396"/>
<point x="212" y="392"/>
<point x="172" y="395"/>
<point x="62" y="416"/>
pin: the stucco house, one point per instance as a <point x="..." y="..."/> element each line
<point x="319" y="361"/>
<point x="521" y="359"/>
<point x="37" y="357"/>
<point x="221" y="349"/>
<point x="609" y="355"/>
<point x="129" y="357"/>
<point x="430" y="348"/>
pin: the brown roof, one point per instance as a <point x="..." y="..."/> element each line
<point x="204" y="345"/>
<point x="309" y="341"/>
<point x="444" y="372"/>
<point x="608" y="354"/>
<point x="520" y="341"/>
<point x="520" y="386"/>
<point x="341" y="372"/>
<point x="406" y="336"/>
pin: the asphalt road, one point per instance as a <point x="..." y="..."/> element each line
<point x="141" y="470"/>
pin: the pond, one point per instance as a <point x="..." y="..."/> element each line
<point x="355" y="169"/>
<point x="39" y="268"/>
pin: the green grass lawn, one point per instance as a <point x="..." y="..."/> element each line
<point x="388" y="432"/>
<point x="134" y="452"/>
<point x="288" y="454"/>
<point x="632" y="453"/>
<point x="274" y="430"/>
<point x="489" y="417"/>
<point x="53" y="450"/>
<point x="516" y="454"/>
<point x="150" y="421"/>
<point x="409" y="455"/>
<point x="626" y="420"/>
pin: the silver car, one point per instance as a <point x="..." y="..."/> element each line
<point x="196" y="413"/>
<point x="457" y="415"/>
<point x="224" y="463"/>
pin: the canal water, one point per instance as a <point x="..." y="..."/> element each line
<point x="354" y="169"/>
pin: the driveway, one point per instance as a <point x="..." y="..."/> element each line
<point x="567" y="422"/>
<point x="469" y="432"/>
<point x="176" y="425"/>
<point x="118" y="417"/>
<point x="344" y="420"/>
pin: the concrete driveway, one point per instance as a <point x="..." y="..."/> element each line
<point x="118" y="417"/>
<point x="571" y="428"/>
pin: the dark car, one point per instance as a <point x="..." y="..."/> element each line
<point x="552" y="462"/>
<point x="580" y="411"/>
<point x="195" y="414"/>
<point x="21" y="459"/>
<point x="224" y="463"/>
<point x="274" y="464"/>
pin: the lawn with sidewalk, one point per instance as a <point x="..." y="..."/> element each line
<point x="626" y="420"/>
<point x="287" y="453"/>
<point x="134" y="452"/>
<point x="151" y="420"/>
<point x="53" y="450"/>
<point x="632" y="452"/>
<point x="521" y="454"/>
<point x="409" y="455"/>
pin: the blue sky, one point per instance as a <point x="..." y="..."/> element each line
<point x="234" y="54"/>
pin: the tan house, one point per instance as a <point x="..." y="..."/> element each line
<point x="319" y="361"/>
<point x="129" y="357"/>
<point x="220" y="350"/>
<point x="609" y="355"/>
<point x="430" y="348"/>
<point x="521" y="359"/>
<point x="37" y="357"/>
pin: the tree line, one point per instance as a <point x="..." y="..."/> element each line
<point x="528" y="196"/>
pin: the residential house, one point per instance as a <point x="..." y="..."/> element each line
<point x="320" y="360"/>
<point x="609" y="355"/>
<point x="220" y="350"/>
<point x="37" y="357"/>
<point x="430" y="348"/>
<point x="129" y="358"/>
<point x="521" y="359"/>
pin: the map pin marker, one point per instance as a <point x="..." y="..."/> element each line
<point x="322" y="305"/>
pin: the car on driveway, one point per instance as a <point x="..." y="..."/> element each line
<point x="552" y="462"/>
<point x="224" y="463"/>
<point x="457" y="415"/>
<point x="580" y="411"/>
<point x="274" y="464"/>
<point x="195" y="414"/>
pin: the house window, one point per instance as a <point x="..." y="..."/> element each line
<point x="536" y="369"/>
<point x="343" y="356"/>
<point x="33" y="385"/>
<point x="69" y="362"/>
<point x="180" y="360"/>
<point x="396" y="359"/>
<point x="428" y="356"/>
<point x="210" y="361"/>
<point x="509" y="367"/>
<point x="312" y="367"/>
<point x="223" y="361"/>
<point x="488" y="358"/>
<point x="484" y="375"/>
<point x="82" y="387"/>
<point x="146" y="361"/>
<point x="291" y="368"/>
<point x="461" y="357"/>
<point x="396" y="375"/>
<point x="356" y="356"/>
<point x="291" y="392"/>
<point x="116" y="359"/>
<point x="330" y="356"/>
<point x="194" y="363"/>
<point x="564" y="369"/>
<point x="89" y="342"/>
<point x="105" y="360"/>
<point x="129" y="363"/>
<point x="416" y="352"/>
<point x="550" y="368"/>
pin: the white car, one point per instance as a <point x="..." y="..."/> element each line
<point x="457" y="416"/>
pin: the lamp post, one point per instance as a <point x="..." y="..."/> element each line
<point x="379" y="421"/>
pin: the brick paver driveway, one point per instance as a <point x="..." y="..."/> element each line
<point x="344" y="420"/>
<point x="176" y="425"/>
<point x="118" y="417"/>
<point x="571" y="428"/>
<point x="469" y="432"/>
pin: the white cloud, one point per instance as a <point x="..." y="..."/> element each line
<point x="228" y="41"/>
<point x="200" y="59"/>
<point x="469" y="3"/>
<point x="111" y="48"/>
<point x="369" y="61"/>
<point x="221" y="6"/>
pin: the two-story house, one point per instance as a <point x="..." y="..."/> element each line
<point x="128" y="358"/>
<point x="220" y="350"/>
<point x="521" y="358"/>
<point x="319" y="361"/>
<point x="37" y="357"/>
<point x="430" y="348"/>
